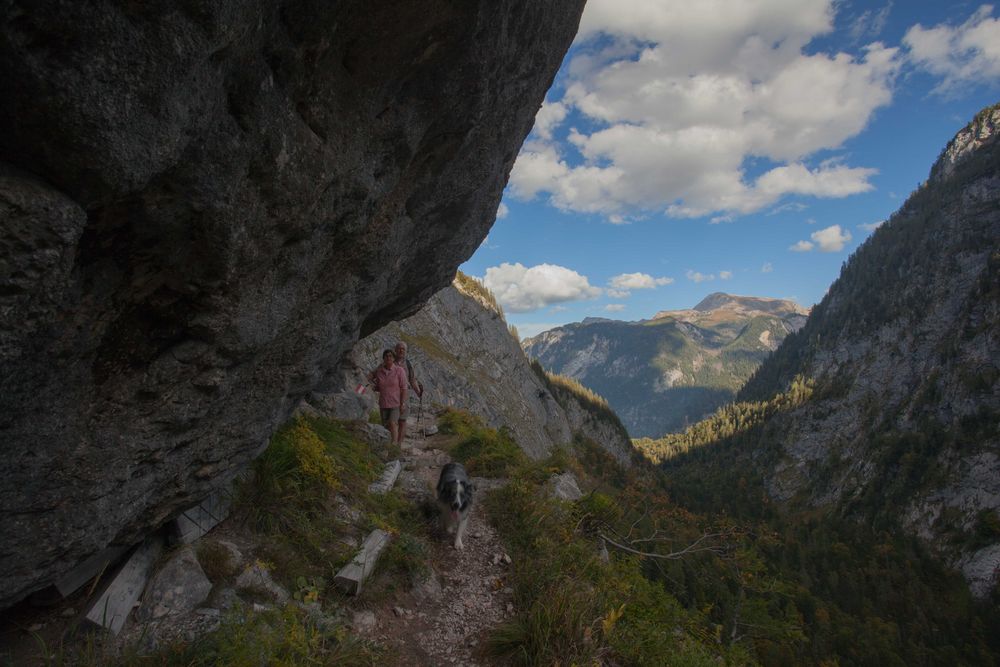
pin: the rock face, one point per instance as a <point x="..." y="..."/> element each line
<point x="466" y="357"/>
<point x="676" y="368"/>
<point x="202" y="205"/>
<point x="905" y="353"/>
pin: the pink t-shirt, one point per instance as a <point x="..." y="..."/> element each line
<point x="390" y="383"/>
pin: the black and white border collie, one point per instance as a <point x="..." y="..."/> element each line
<point x="455" y="497"/>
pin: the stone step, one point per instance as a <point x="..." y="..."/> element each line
<point x="352" y="576"/>
<point x="115" y="603"/>
<point x="388" y="478"/>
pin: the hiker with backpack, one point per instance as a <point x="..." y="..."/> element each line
<point x="414" y="384"/>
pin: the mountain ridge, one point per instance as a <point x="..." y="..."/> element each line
<point x="665" y="372"/>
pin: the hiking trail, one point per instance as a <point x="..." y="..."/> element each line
<point x="444" y="619"/>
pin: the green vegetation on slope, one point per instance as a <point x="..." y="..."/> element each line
<point x="564" y="388"/>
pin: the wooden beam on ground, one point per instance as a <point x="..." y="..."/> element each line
<point x="387" y="480"/>
<point x="115" y="603"/>
<point x="87" y="569"/>
<point x="352" y="576"/>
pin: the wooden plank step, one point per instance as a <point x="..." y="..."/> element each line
<point x="119" y="597"/>
<point x="352" y="576"/>
<point x="388" y="478"/>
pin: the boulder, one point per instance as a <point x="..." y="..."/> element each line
<point x="198" y="202"/>
<point x="179" y="587"/>
<point x="564" y="487"/>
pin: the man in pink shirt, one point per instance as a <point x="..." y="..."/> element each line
<point x="390" y="383"/>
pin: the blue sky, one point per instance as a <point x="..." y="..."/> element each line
<point x="739" y="146"/>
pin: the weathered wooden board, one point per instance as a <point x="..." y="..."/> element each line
<point x="115" y="603"/>
<point x="88" y="569"/>
<point x="352" y="576"/>
<point x="387" y="480"/>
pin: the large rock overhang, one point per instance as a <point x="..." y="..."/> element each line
<point x="202" y="206"/>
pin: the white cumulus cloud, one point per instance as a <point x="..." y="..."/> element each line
<point x="699" y="277"/>
<point x="871" y="226"/>
<point x="680" y="95"/>
<point x="521" y="289"/>
<point x="960" y="54"/>
<point x="615" y="307"/>
<point x="725" y="275"/>
<point x="502" y="211"/>
<point x="830" y="239"/>
<point x="638" y="281"/>
<point x="767" y="268"/>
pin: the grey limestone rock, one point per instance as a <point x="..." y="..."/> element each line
<point x="198" y="204"/>
<point x="564" y="487"/>
<point x="179" y="587"/>
<point x="257" y="579"/>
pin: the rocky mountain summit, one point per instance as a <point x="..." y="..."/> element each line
<point x="904" y="424"/>
<point x="202" y="207"/>
<point x="663" y="373"/>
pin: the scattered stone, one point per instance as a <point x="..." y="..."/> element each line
<point x="510" y="607"/>
<point x="208" y="611"/>
<point x="398" y="611"/>
<point x="68" y="612"/>
<point x="431" y="429"/>
<point x="387" y="480"/>
<point x="374" y="434"/>
<point x="506" y="559"/>
<point x="36" y="627"/>
<point x="225" y="599"/>
<point x="235" y="555"/>
<point x="363" y="622"/>
<point x="257" y="578"/>
<point x="344" y="512"/>
<point x="565" y="487"/>
<point x="352" y="575"/>
<point x="259" y="608"/>
<point x="115" y="603"/>
<point x="179" y="587"/>
<point x="428" y="589"/>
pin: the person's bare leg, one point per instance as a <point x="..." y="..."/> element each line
<point x="402" y="431"/>
<point x="393" y="430"/>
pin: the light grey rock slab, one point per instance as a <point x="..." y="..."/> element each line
<point x="198" y="520"/>
<point x="363" y="622"/>
<point x="114" y="604"/>
<point x="564" y="487"/>
<point x="177" y="588"/>
<point x="388" y="479"/>
<point x="258" y="578"/>
<point x="352" y="576"/>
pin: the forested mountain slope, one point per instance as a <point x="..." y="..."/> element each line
<point x="664" y="373"/>
<point x="894" y="418"/>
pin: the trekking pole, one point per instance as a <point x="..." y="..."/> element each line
<point x="420" y="412"/>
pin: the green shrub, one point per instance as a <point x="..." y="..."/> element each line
<point x="485" y="452"/>
<point x="282" y="638"/>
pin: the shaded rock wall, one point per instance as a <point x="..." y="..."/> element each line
<point x="203" y="205"/>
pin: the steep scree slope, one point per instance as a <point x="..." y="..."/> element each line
<point x="202" y="206"/>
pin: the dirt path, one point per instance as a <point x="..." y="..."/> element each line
<point x="445" y="618"/>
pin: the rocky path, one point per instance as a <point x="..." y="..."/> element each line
<point x="446" y="617"/>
